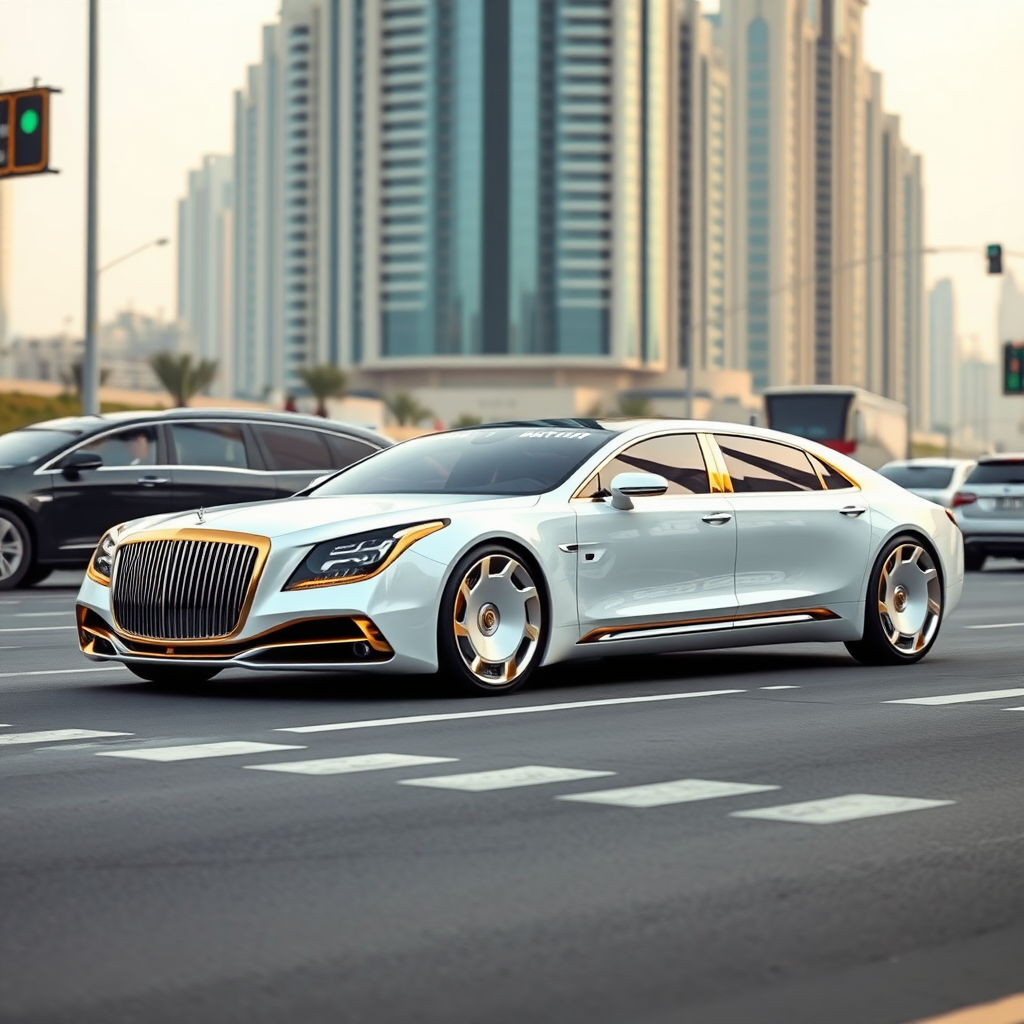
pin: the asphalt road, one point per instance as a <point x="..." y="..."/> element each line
<point x="211" y="889"/>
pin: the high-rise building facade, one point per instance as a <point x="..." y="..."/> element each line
<point x="205" y="264"/>
<point x="942" y="357"/>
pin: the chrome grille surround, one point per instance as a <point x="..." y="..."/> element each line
<point x="183" y="588"/>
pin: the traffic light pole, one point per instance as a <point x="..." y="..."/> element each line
<point x="90" y="360"/>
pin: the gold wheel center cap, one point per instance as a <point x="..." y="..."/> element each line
<point x="488" y="620"/>
<point x="899" y="599"/>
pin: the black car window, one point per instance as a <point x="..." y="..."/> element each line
<point x="210" y="444"/>
<point x="23" y="447"/>
<point x="1004" y="471"/>
<point x="755" y="464"/>
<point x="833" y="481"/>
<point x="676" y="457"/>
<point x="346" y="450"/>
<point x="133" y="446"/>
<point x="293" y="448"/>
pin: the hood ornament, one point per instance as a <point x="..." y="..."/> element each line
<point x="201" y="514"/>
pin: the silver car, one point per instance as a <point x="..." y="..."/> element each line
<point x="989" y="509"/>
<point x="937" y="480"/>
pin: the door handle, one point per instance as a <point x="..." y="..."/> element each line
<point x="852" y="510"/>
<point x="717" y="518"/>
<point x="152" y="481"/>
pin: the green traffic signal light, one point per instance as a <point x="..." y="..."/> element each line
<point x="29" y="121"/>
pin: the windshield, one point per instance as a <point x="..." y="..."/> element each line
<point x="23" y="447"/>
<point x="818" y="417"/>
<point x="503" y="460"/>
<point x="1009" y="472"/>
<point x="933" y="478"/>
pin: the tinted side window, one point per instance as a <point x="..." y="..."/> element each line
<point x="210" y="444"/>
<point x="758" y="465"/>
<point x="1007" y="472"/>
<point x="136" y="446"/>
<point x="293" y="448"/>
<point x="676" y="457"/>
<point x="833" y="481"/>
<point x="346" y="450"/>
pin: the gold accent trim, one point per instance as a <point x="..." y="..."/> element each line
<point x="262" y="545"/>
<point x="103" y="581"/>
<point x="405" y="541"/>
<point x="740" y="620"/>
<point x="721" y="482"/>
<point x="835" y="469"/>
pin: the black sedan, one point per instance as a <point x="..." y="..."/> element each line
<point x="65" y="482"/>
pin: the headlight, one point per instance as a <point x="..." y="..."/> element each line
<point x="102" y="562"/>
<point x="350" y="559"/>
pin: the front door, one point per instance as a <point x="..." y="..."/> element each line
<point x="800" y="546"/>
<point x="664" y="565"/>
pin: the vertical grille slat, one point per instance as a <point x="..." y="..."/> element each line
<point x="181" y="589"/>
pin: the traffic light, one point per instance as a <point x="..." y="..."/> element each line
<point x="995" y="258"/>
<point x="1013" y="368"/>
<point x="25" y="131"/>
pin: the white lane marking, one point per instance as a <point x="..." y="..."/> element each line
<point x="998" y="625"/>
<point x="55" y="736"/>
<point x="69" y="671"/>
<point x="17" y="648"/>
<point x="35" y="629"/>
<point x="374" y="723"/>
<point x="195" y="751"/>
<point x="780" y="687"/>
<point x="659" y="794"/>
<point x="1013" y="709"/>
<point x="960" y="698"/>
<point x="353" y="763"/>
<point x="43" y="615"/>
<point x="841" y="808"/>
<point x="504" y="778"/>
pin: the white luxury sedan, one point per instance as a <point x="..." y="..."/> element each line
<point x="486" y="552"/>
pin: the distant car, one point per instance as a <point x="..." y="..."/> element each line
<point x="488" y="551"/>
<point x="65" y="482"/>
<point x="989" y="509"/>
<point x="937" y="480"/>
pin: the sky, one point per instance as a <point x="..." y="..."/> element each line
<point x="168" y="68"/>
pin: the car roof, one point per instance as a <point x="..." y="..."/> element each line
<point x="1002" y="457"/>
<point x="931" y="461"/>
<point x="93" y="424"/>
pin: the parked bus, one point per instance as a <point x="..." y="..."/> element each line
<point x="871" y="429"/>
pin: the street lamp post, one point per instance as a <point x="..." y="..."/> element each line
<point x="134" y="252"/>
<point x="90" y="360"/>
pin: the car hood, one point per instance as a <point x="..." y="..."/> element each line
<point x="313" y="514"/>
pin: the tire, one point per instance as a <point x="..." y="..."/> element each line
<point x="492" y="622"/>
<point x="15" y="550"/>
<point x="904" y="605"/>
<point x="974" y="561"/>
<point x="37" y="574"/>
<point x="173" y="675"/>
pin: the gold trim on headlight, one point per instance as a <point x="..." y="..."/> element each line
<point x="405" y="540"/>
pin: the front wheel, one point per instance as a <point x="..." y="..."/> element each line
<point x="15" y="550"/>
<point x="173" y="675"/>
<point x="492" y="626"/>
<point x="904" y="606"/>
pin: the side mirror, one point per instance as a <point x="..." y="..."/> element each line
<point x="636" y="485"/>
<point x="77" y="461"/>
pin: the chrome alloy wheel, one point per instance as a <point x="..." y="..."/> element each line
<point x="497" y="619"/>
<point x="12" y="549"/>
<point x="909" y="598"/>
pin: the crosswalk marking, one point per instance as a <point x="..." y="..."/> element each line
<point x="960" y="698"/>
<point x="841" y="808"/>
<point x="194" y="751"/>
<point x="373" y="723"/>
<point x="504" y="778"/>
<point x="55" y="736"/>
<point x="660" y="794"/>
<point x="353" y="763"/>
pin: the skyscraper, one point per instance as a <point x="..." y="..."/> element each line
<point x="942" y="351"/>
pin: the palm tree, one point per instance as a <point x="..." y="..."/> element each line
<point x="324" y="381"/>
<point x="634" y="405"/>
<point x="180" y="377"/>
<point x="467" y="419"/>
<point x="71" y="378"/>
<point x="406" y="410"/>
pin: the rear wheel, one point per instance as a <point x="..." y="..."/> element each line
<point x="15" y="550"/>
<point x="173" y="675"/>
<point x="974" y="561"/>
<point x="492" y="625"/>
<point x="904" y="606"/>
<point x="37" y="574"/>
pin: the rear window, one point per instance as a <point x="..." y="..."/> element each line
<point x="23" y="447"/>
<point x="928" y="478"/>
<point x="1009" y="472"/>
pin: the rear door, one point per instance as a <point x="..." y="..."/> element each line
<point x="217" y="462"/>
